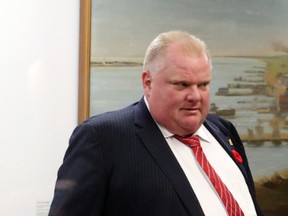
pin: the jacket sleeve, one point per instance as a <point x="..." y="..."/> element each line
<point x="80" y="186"/>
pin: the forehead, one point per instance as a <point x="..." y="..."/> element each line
<point x="178" y="61"/>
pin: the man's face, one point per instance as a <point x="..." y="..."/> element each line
<point x="179" y="94"/>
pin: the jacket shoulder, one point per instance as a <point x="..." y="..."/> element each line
<point x="220" y="124"/>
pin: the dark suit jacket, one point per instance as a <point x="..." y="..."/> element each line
<point x="118" y="163"/>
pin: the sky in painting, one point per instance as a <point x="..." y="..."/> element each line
<point x="229" y="27"/>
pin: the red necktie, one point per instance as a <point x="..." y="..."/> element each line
<point x="231" y="205"/>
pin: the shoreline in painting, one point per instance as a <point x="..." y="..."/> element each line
<point x="275" y="85"/>
<point x="115" y="64"/>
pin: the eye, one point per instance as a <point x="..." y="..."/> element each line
<point x="204" y="86"/>
<point x="184" y="84"/>
<point x="181" y="84"/>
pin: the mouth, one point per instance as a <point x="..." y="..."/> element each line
<point x="190" y="110"/>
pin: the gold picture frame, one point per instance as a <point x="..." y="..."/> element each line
<point x="84" y="60"/>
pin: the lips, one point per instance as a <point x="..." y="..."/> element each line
<point x="190" y="110"/>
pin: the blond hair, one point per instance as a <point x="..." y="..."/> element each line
<point x="156" y="51"/>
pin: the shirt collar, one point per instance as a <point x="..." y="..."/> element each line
<point x="202" y="133"/>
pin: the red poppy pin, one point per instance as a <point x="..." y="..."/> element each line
<point x="237" y="156"/>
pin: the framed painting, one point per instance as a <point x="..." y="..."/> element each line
<point x="249" y="47"/>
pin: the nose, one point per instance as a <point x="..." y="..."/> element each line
<point x="193" y="94"/>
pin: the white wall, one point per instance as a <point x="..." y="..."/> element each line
<point x="38" y="93"/>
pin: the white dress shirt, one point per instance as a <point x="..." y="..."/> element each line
<point x="225" y="167"/>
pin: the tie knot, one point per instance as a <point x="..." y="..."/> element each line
<point x="192" y="141"/>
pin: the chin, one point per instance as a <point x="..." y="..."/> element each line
<point x="192" y="127"/>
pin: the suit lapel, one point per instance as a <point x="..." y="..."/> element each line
<point x="156" y="144"/>
<point x="225" y="141"/>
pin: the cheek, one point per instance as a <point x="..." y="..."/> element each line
<point x="206" y="97"/>
<point x="206" y="102"/>
<point x="147" y="91"/>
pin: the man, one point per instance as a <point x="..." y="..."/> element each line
<point x="129" y="162"/>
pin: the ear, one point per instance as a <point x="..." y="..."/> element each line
<point x="146" y="82"/>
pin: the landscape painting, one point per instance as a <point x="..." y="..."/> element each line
<point x="248" y="41"/>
